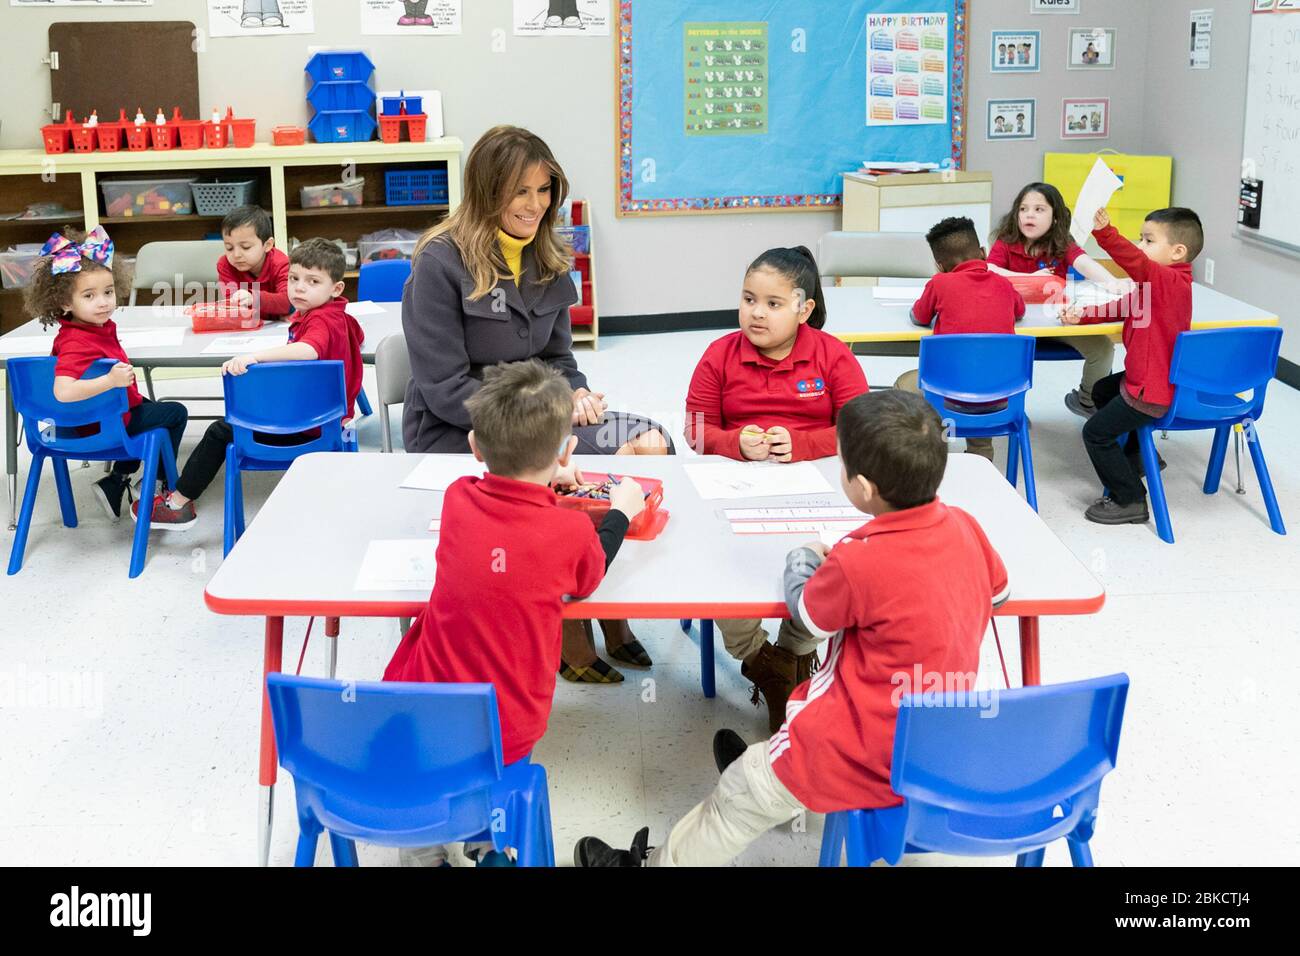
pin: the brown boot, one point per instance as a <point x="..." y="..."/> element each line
<point x="773" y="670"/>
<point x="622" y="645"/>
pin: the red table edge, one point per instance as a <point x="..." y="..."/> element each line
<point x="581" y="610"/>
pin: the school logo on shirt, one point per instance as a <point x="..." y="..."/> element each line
<point x="811" y="387"/>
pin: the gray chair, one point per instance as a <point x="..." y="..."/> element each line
<point x="393" y="372"/>
<point x="164" y="269"/>
<point x="903" y="255"/>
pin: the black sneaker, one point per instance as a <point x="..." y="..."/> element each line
<point x="1109" y="511"/>
<point x="108" y="492"/>
<point x="591" y="851"/>
<point x="1083" y="407"/>
<point x="727" y="748"/>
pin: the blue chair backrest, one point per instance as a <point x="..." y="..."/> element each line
<point x="32" y="384"/>
<point x="285" y="398"/>
<point x="383" y="281"/>
<point x="1219" y="363"/>
<point x="977" y="368"/>
<point x="388" y="755"/>
<point x="971" y="773"/>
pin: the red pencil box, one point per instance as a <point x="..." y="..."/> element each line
<point x="221" y="317"/>
<point x="1036" y="290"/>
<point x="644" y="527"/>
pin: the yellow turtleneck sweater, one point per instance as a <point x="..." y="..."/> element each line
<point x="513" y="250"/>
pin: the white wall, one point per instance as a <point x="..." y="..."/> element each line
<point x="564" y="90"/>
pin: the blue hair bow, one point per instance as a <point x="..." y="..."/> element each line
<point x="96" y="247"/>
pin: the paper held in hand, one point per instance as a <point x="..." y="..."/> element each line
<point x="1096" y="192"/>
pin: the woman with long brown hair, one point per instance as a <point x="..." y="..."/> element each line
<point x="491" y="284"/>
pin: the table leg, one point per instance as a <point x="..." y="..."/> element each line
<point x="11" y="455"/>
<point x="148" y="382"/>
<point x="332" y="633"/>
<point x="272" y="648"/>
<point x="1029" y="674"/>
<point x="706" y="657"/>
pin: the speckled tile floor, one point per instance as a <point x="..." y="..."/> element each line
<point x="142" y="749"/>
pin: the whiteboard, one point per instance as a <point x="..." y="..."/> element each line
<point x="1270" y="164"/>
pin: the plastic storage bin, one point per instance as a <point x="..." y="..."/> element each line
<point x="164" y="136"/>
<point x="217" y="198"/>
<point x="137" y="137"/>
<point x="157" y="197"/>
<point x="190" y="133"/>
<point x="288" y="135"/>
<point x="56" y="137"/>
<point x="340" y="65"/>
<point x="643" y="527"/>
<point x="379" y="251"/>
<point x="416" y="187"/>
<point x="17" y="265"/>
<point x="392" y="105"/>
<point x="341" y="95"/>
<point x="222" y="317"/>
<point x="333" y="194"/>
<point x="342" y="126"/>
<point x="109" y="137"/>
<point x="83" y="139"/>
<point x="242" y="132"/>
<point x="1036" y="290"/>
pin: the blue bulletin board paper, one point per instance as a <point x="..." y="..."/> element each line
<point x="788" y="116"/>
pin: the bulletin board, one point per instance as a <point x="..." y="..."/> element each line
<point x="762" y="105"/>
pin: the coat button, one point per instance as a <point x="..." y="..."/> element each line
<point x="523" y="333"/>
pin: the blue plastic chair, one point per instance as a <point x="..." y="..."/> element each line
<point x="974" y="786"/>
<point x="380" y="281"/>
<point x="383" y="281"/>
<point x="975" y="368"/>
<point x="1209" y="370"/>
<point x="405" y="765"/>
<point x="51" y="425"/>
<point x="279" y="398"/>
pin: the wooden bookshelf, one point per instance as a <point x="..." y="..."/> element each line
<point x="72" y="179"/>
<point x="586" y="264"/>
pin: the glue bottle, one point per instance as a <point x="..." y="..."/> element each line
<point x="93" y="119"/>
<point x="161" y="118"/>
<point x="216" y="116"/>
<point x="139" y="116"/>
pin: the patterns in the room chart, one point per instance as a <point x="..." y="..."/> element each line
<point x="726" y="78"/>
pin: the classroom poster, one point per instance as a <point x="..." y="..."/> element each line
<point x="907" y="69"/>
<point x="1015" y="52"/>
<point x="1202" y="22"/>
<point x="1085" y="119"/>
<point x="1092" y="48"/>
<point x="1011" y="119"/>
<point x="81" y="3"/>
<point x="726" y="81"/>
<point x="410" y="17"/>
<point x="259" y="18"/>
<point x="561" y="18"/>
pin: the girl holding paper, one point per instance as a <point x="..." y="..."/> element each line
<point x="1034" y="238"/>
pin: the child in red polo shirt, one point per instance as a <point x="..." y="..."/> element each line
<point x="771" y="392"/>
<point x="253" y="273"/>
<point x="966" y="296"/>
<point x="876" y="597"/>
<point x="320" y="329"/>
<point x="1154" y="314"/>
<point x="74" y="284"/>
<point x="513" y="554"/>
<point x="1034" y="238"/>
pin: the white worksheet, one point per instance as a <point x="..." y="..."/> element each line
<point x="364" y="307"/>
<point x="437" y="472"/>
<point x="398" y="565"/>
<point x="151" y="338"/>
<point x="239" y="344"/>
<point x="1095" y="193"/>
<point x="757" y="479"/>
<point x="27" y="344"/>
<point x="897" y="293"/>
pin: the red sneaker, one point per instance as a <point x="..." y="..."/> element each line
<point x="165" y="517"/>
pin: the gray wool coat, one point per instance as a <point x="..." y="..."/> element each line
<point x="451" y="340"/>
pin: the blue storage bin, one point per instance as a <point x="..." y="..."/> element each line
<point x="341" y="95"/>
<point x="342" y="126"/>
<point x="416" y="187"/>
<point x="393" y="105"/>
<point x="332" y="65"/>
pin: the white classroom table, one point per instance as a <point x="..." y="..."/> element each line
<point x="189" y="354"/>
<point x="695" y="568"/>
<point x="854" y="314"/>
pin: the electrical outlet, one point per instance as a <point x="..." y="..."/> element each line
<point x="1209" y="272"/>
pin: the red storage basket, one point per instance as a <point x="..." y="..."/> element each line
<point x="288" y="135"/>
<point x="415" y="126"/>
<point x="83" y="139"/>
<point x="163" y="137"/>
<point x="214" y="135"/>
<point x="242" y="132"/>
<point x="137" y="137"/>
<point x="390" y="129"/>
<point x="222" y="317"/>
<point x="109" y="137"/>
<point x="1036" y="290"/>
<point x="55" y="137"/>
<point x="644" y="526"/>
<point x="191" y="133"/>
